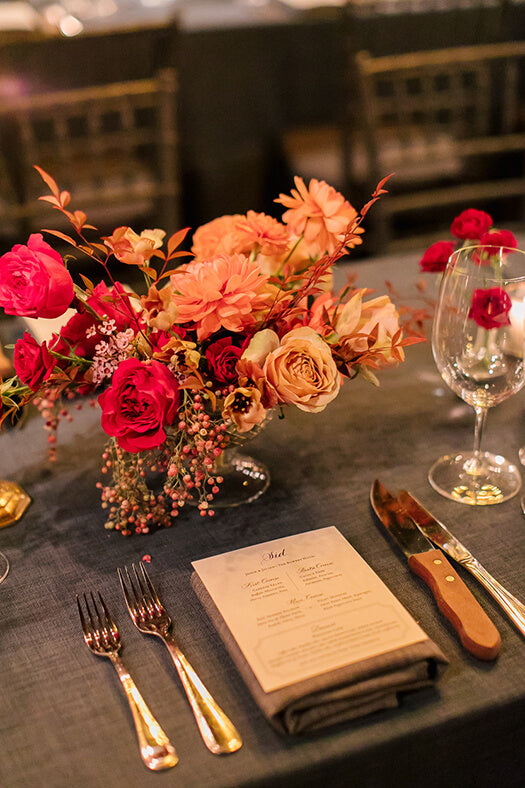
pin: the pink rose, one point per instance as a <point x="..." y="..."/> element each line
<point x="436" y="257"/>
<point x="34" y="281"/>
<point x="33" y="363"/>
<point x="302" y="370"/>
<point x="490" y="308"/>
<point x="471" y="224"/>
<point x="143" y="397"/>
<point x="222" y="356"/>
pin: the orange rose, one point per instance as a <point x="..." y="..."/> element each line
<point x="302" y="370"/>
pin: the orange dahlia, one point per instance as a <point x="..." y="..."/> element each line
<point x="319" y="213"/>
<point x="221" y="292"/>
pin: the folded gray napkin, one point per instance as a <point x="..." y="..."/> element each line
<point x="338" y="695"/>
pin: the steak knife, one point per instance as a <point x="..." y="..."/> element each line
<point x="441" y="536"/>
<point x="475" y="629"/>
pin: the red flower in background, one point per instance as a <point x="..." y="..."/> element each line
<point x="471" y="224"/>
<point x="436" y="257"/>
<point x="490" y="308"/>
<point x="494" y="239"/>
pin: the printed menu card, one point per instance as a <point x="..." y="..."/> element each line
<point x="304" y="605"/>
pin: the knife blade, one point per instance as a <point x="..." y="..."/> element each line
<point x="438" y="533"/>
<point x="476" y="631"/>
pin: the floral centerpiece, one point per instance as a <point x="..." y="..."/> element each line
<point x="206" y="351"/>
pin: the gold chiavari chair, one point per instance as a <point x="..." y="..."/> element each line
<point x="113" y="146"/>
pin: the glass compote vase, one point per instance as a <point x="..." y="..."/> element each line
<point x="478" y="345"/>
<point x="243" y="478"/>
<point x="147" y="489"/>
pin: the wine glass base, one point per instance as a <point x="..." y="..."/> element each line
<point x="492" y="479"/>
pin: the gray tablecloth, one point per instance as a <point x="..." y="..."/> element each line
<point x="63" y="718"/>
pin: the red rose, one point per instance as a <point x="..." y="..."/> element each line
<point x="33" y="362"/>
<point x="495" y="239"/>
<point x="471" y="224"/>
<point x="222" y="356"/>
<point x="490" y="308"/>
<point x="143" y="398"/>
<point x="34" y="281"/>
<point x="436" y="257"/>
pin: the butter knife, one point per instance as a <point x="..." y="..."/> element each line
<point x="441" y="536"/>
<point x="475" y="629"/>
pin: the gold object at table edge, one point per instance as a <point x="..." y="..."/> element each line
<point x="13" y="502"/>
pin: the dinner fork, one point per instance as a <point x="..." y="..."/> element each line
<point x="102" y="637"/>
<point x="149" y="616"/>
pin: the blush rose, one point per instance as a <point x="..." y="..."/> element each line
<point x="302" y="370"/>
<point x="490" y="308"/>
<point x="143" y="397"/>
<point x="34" y="281"/>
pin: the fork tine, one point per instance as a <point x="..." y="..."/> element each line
<point x="145" y="596"/>
<point x="85" y="630"/>
<point x="110" y="628"/>
<point x="150" y="586"/>
<point x="130" y="603"/>
<point x="133" y="592"/>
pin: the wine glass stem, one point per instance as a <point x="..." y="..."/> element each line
<point x="474" y="465"/>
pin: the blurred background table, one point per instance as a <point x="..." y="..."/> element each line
<point x="63" y="720"/>
<point x="249" y="70"/>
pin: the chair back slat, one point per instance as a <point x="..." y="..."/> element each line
<point x="109" y="145"/>
<point x="430" y="117"/>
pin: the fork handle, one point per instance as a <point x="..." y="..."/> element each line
<point x="218" y="732"/>
<point x="155" y="748"/>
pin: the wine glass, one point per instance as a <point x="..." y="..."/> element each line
<point x="478" y="345"/>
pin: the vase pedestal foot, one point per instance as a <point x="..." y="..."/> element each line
<point x="244" y="479"/>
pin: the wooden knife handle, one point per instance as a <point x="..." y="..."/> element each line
<point x="475" y="629"/>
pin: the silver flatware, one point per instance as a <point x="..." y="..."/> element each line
<point x="149" y="616"/>
<point x="102" y="637"/>
<point x="476" y="631"/>
<point x="440" y="535"/>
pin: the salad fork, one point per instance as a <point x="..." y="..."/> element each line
<point x="149" y="616"/>
<point x="102" y="637"/>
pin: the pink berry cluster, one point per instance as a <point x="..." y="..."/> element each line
<point x="149" y="488"/>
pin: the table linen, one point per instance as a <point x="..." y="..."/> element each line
<point x="62" y="720"/>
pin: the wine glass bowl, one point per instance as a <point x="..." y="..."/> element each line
<point x="478" y="342"/>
